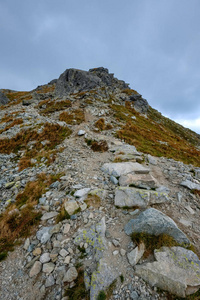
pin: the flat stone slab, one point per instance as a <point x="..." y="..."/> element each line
<point x="132" y="197"/>
<point x="49" y="215"/>
<point x="118" y="169"/>
<point x="176" y="270"/>
<point x="152" y="221"/>
<point x="71" y="206"/>
<point x="191" y="185"/>
<point x="145" y="181"/>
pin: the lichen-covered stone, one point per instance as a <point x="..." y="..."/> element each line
<point x="176" y="270"/>
<point x="154" y="222"/>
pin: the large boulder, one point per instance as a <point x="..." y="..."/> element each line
<point x="176" y="270"/>
<point x="118" y="169"/>
<point x="132" y="197"/>
<point x="145" y="181"/>
<point x="154" y="222"/>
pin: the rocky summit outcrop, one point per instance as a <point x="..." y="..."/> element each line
<point x="82" y="193"/>
<point x="3" y="98"/>
<point x="74" y="81"/>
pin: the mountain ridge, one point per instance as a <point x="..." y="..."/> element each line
<point x="82" y="159"/>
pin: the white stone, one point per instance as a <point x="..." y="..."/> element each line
<point x="44" y="258"/>
<point x="82" y="192"/>
<point x="81" y="132"/>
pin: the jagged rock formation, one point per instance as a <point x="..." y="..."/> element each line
<point x="66" y="163"/>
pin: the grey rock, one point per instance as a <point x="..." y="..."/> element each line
<point x="113" y="180"/>
<point x="48" y="267"/>
<point x="71" y="206"/>
<point x="191" y="185"/>
<point x="49" y="215"/>
<point x="36" y="268"/>
<point x="132" y="197"/>
<point x="135" y="255"/>
<point x="3" y="99"/>
<point x="154" y="222"/>
<point x="44" y="258"/>
<point x="145" y="181"/>
<point x="71" y="275"/>
<point x="176" y="270"/>
<point x="73" y="80"/>
<point x="43" y="235"/>
<point x="49" y="281"/>
<point x="124" y="168"/>
<point x="82" y="192"/>
<point x="152" y="160"/>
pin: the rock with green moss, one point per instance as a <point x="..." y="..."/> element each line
<point x="154" y="222"/>
<point x="176" y="270"/>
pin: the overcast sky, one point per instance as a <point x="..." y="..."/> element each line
<point x="152" y="44"/>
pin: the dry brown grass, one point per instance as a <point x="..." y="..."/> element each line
<point x="53" y="133"/>
<point x="20" y="218"/>
<point x="47" y="88"/>
<point x="148" y="133"/>
<point x="14" y="122"/>
<point x="74" y="117"/>
<point x="93" y="200"/>
<point x="48" y="106"/>
<point x="129" y="92"/>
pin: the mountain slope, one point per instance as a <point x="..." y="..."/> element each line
<point x="81" y="158"/>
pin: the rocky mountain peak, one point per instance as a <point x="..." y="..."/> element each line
<point x="74" y="80"/>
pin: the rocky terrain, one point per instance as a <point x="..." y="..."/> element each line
<point x="99" y="194"/>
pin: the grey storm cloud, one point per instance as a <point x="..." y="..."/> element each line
<point x="153" y="45"/>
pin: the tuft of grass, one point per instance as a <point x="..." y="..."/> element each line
<point x="34" y="190"/>
<point x="101" y="296"/>
<point x="14" y="122"/>
<point x="153" y="242"/>
<point x="78" y="291"/>
<point x="196" y="192"/>
<point x="74" y="117"/>
<point x="63" y="215"/>
<point x="93" y="200"/>
<point x="101" y="125"/>
<point x="14" y="225"/>
<point x="48" y="106"/>
<point x="121" y="278"/>
<point x="129" y="92"/>
<point x="100" y="146"/>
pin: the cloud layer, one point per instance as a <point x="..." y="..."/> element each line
<point x="153" y="45"/>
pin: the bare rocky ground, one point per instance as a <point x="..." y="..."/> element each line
<point x="46" y="263"/>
